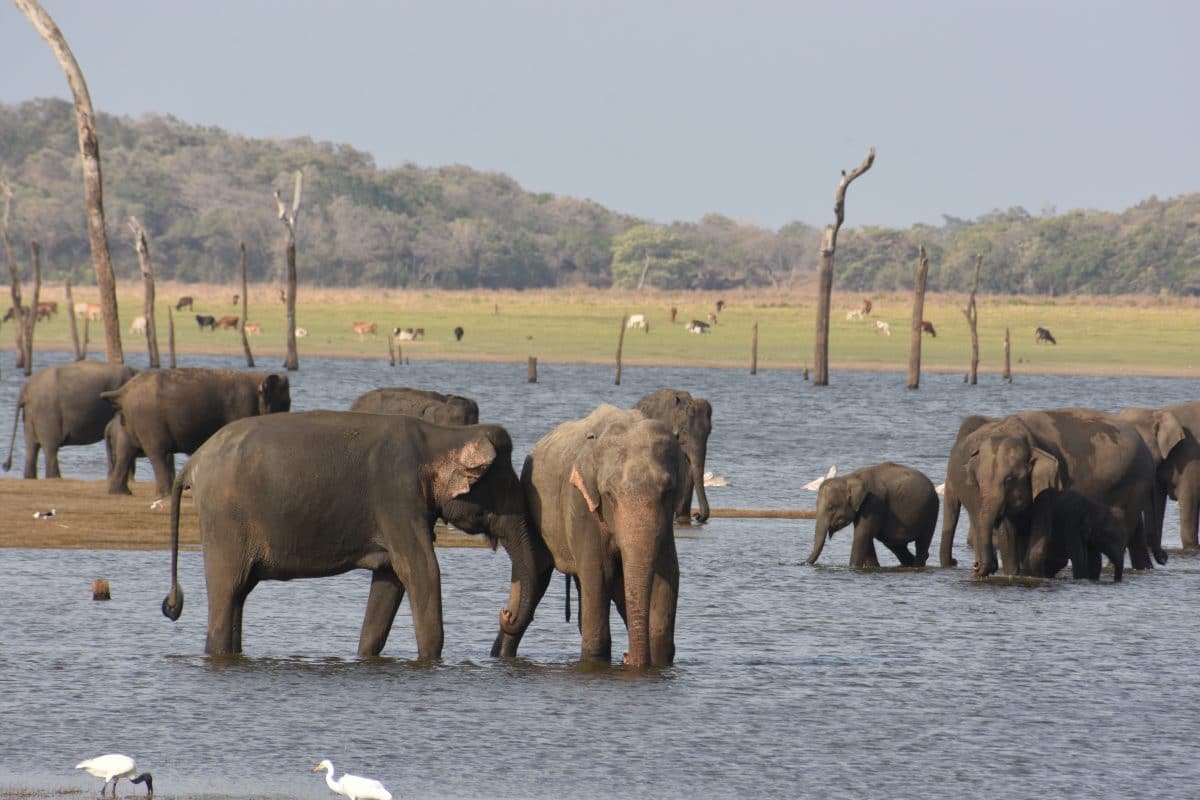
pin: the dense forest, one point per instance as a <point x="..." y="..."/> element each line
<point x="201" y="191"/>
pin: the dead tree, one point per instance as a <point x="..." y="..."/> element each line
<point x="143" y="251"/>
<point x="914" y="344"/>
<point x="79" y="352"/>
<point x="825" y="276"/>
<point x="89" y="148"/>
<point x="620" y="345"/>
<point x="754" y="350"/>
<point x="29" y="318"/>
<point x="14" y="269"/>
<point x="972" y="315"/>
<point x="245" y="311"/>
<point x="170" y="337"/>
<point x="292" y="361"/>
<point x="1007" y="356"/>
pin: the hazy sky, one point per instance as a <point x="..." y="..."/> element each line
<point x="670" y="110"/>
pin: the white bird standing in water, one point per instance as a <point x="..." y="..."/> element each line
<point x="113" y="767"/>
<point x="353" y="786"/>
<point x="813" y="486"/>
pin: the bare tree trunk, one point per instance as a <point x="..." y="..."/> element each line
<point x="918" y="315"/>
<point x="289" y="220"/>
<point x="74" y="326"/>
<point x="245" y="312"/>
<point x="531" y="370"/>
<point x="972" y="315"/>
<point x="89" y="148"/>
<point x="620" y="346"/>
<point x="645" y="269"/>
<point x="825" y="276"/>
<point x="87" y="323"/>
<point x="1007" y="356"/>
<point x="143" y="250"/>
<point x="170" y="337"/>
<point x="14" y="270"/>
<point x="30" y="316"/>
<point x="754" y="350"/>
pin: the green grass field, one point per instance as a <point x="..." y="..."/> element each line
<point x="1095" y="335"/>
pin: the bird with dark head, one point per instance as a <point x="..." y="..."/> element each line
<point x="113" y="767"/>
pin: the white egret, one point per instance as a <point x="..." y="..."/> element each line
<point x="353" y="786"/>
<point x="113" y="767"/>
<point x="812" y="486"/>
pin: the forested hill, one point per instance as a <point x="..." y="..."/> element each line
<point x="200" y="191"/>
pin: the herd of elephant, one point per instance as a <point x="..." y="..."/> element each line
<point x="317" y="493"/>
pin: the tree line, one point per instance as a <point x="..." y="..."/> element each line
<point x="201" y="191"/>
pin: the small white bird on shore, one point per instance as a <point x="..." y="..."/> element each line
<point x="113" y="767"/>
<point x="45" y="514"/>
<point x="353" y="786"/>
<point x="715" y="480"/>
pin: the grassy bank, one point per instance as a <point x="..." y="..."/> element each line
<point x="1096" y="335"/>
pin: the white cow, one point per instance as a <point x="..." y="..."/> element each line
<point x="696" y="326"/>
<point x="880" y="325"/>
<point x="301" y="333"/>
<point x="638" y="321"/>
<point x="138" y="325"/>
<point x="856" y="315"/>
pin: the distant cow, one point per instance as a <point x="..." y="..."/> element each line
<point x="712" y="318"/>
<point x="184" y="302"/>
<point x="458" y="333"/>
<point x="408" y="334"/>
<point x="47" y="309"/>
<point x="638" y="321"/>
<point x="301" y="333"/>
<point x="1043" y="335"/>
<point x="696" y="326"/>
<point x="227" y="322"/>
<point x="81" y="309"/>
<point x="720" y="306"/>
<point x="252" y="328"/>
<point x="674" y="313"/>
<point x="884" y="327"/>
<point x="206" y="321"/>
<point x="138" y="325"/>
<point x="866" y="307"/>
<point x="927" y="327"/>
<point x="94" y="311"/>
<point x="236" y="297"/>
<point x="856" y="314"/>
<point x="363" y="328"/>
<point x="12" y="313"/>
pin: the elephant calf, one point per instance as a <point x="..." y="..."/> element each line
<point x="444" y="409"/>
<point x="889" y="502"/>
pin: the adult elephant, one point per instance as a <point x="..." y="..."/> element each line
<point x="1015" y="459"/>
<point x="1170" y="435"/>
<point x="888" y="502"/>
<point x="168" y="411"/>
<point x="690" y="419"/>
<point x="320" y="493"/>
<point x="444" y="409"/>
<point x="63" y="405"/>
<point x="958" y="488"/>
<point x="601" y="492"/>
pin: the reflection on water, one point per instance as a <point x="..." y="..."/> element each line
<point x="792" y="681"/>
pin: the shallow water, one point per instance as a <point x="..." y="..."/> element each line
<point x="791" y="681"/>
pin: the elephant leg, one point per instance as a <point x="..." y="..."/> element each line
<point x="900" y="550"/>
<point x="664" y="598"/>
<point x="164" y="471"/>
<point x="1189" y="522"/>
<point x="226" y="596"/>
<point x="595" y="598"/>
<point x="951" y="507"/>
<point x="382" y="605"/>
<point x="422" y="578"/>
<point x="922" y="545"/>
<point x="52" y="470"/>
<point x="31" y="456"/>
<point x="506" y="644"/>
<point x="120" y="467"/>
<point x="862" y="549"/>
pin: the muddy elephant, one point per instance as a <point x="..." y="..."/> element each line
<point x="958" y="489"/>
<point x="170" y="411"/>
<point x="320" y="493"/>
<point x="888" y="502"/>
<point x="601" y="493"/>
<point x="1170" y="435"/>
<point x="63" y="406"/>
<point x="1015" y="459"/>
<point x="690" y="419"/>
<point x="444" y="409"/>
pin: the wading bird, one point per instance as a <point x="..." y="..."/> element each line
<point x="353" y="786"/>
<point x="113" y="767"/>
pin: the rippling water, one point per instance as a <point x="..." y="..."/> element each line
<point x="791" y="681"/>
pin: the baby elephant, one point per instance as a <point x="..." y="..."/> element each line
<point x="889" y="502"/>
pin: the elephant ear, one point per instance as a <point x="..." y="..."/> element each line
<point x="858" y="493"/>
<point x="462" y="468"/>
<point x="971" y="466"/>
<point x="1044" y="472"/>
<point x="590" y="495"/>
<point x="1168" y="432"/>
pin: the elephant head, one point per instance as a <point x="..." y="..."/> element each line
<point x="629" y="475"/>
<point x="690" y="419"/>
<point x="838" y="502"/>
<point x="477" y="491"/>
<point x="1009" y="470"/>
<point x="274" y="394"/>
<point x="1176" y="455"/>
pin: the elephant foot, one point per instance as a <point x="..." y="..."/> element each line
<point x="683" y="519"/>
<point x="1160" y="556"/>
<point x="950" y="562"/>
<point x="119" y="490"/>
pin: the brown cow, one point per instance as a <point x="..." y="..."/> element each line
<point x="47" y="310"/>
<point x="184" y="302"/>
<point x="927" y="327"/>
<point x="363" y="328"/>
<point x="253" y="328"/>
<point x="227" y="322"/>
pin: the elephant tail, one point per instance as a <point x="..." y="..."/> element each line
<point x="172" y="605"/>
<point x="567" y="606"/>
<point x="13" y="441"/>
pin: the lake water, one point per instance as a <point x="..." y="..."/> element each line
<point x="790" y="680"/>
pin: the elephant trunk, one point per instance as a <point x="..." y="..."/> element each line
<point x="519" y="547"/>
<point x="985" y="547"/>
<point x="638" y="536"/>
<point x="819" y="536"/>
<point x="13" y="441"/>
<point x="698" y="480"/>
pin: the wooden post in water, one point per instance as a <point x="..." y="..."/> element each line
<point x="245" y="312"/>
<point x="532" y="372"/>
<point x="170" y="337"/>
<point x="918" y="315"/>
<point x="142" y="245"/>
<point x="972" y="315"/>
<point x="29" y="318"/>
<point x="754" y="350"/>
<point x="620" y="345"/>
<point x="1007" y="356"/>
<point x="391" y="350"/>
<point x="74" y="325"/>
